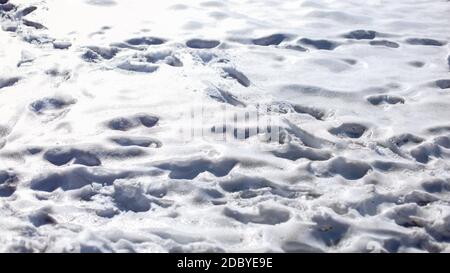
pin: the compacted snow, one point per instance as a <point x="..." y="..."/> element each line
<point x="325" y="126"/>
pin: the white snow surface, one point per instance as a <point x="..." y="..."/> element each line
<point x="93" y="94"/>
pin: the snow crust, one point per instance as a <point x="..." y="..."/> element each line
<point x="96" y="97"/>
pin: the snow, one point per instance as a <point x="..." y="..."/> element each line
<point x="99" y="151"/>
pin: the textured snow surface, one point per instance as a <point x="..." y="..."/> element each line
<point x="93" y="94"/>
